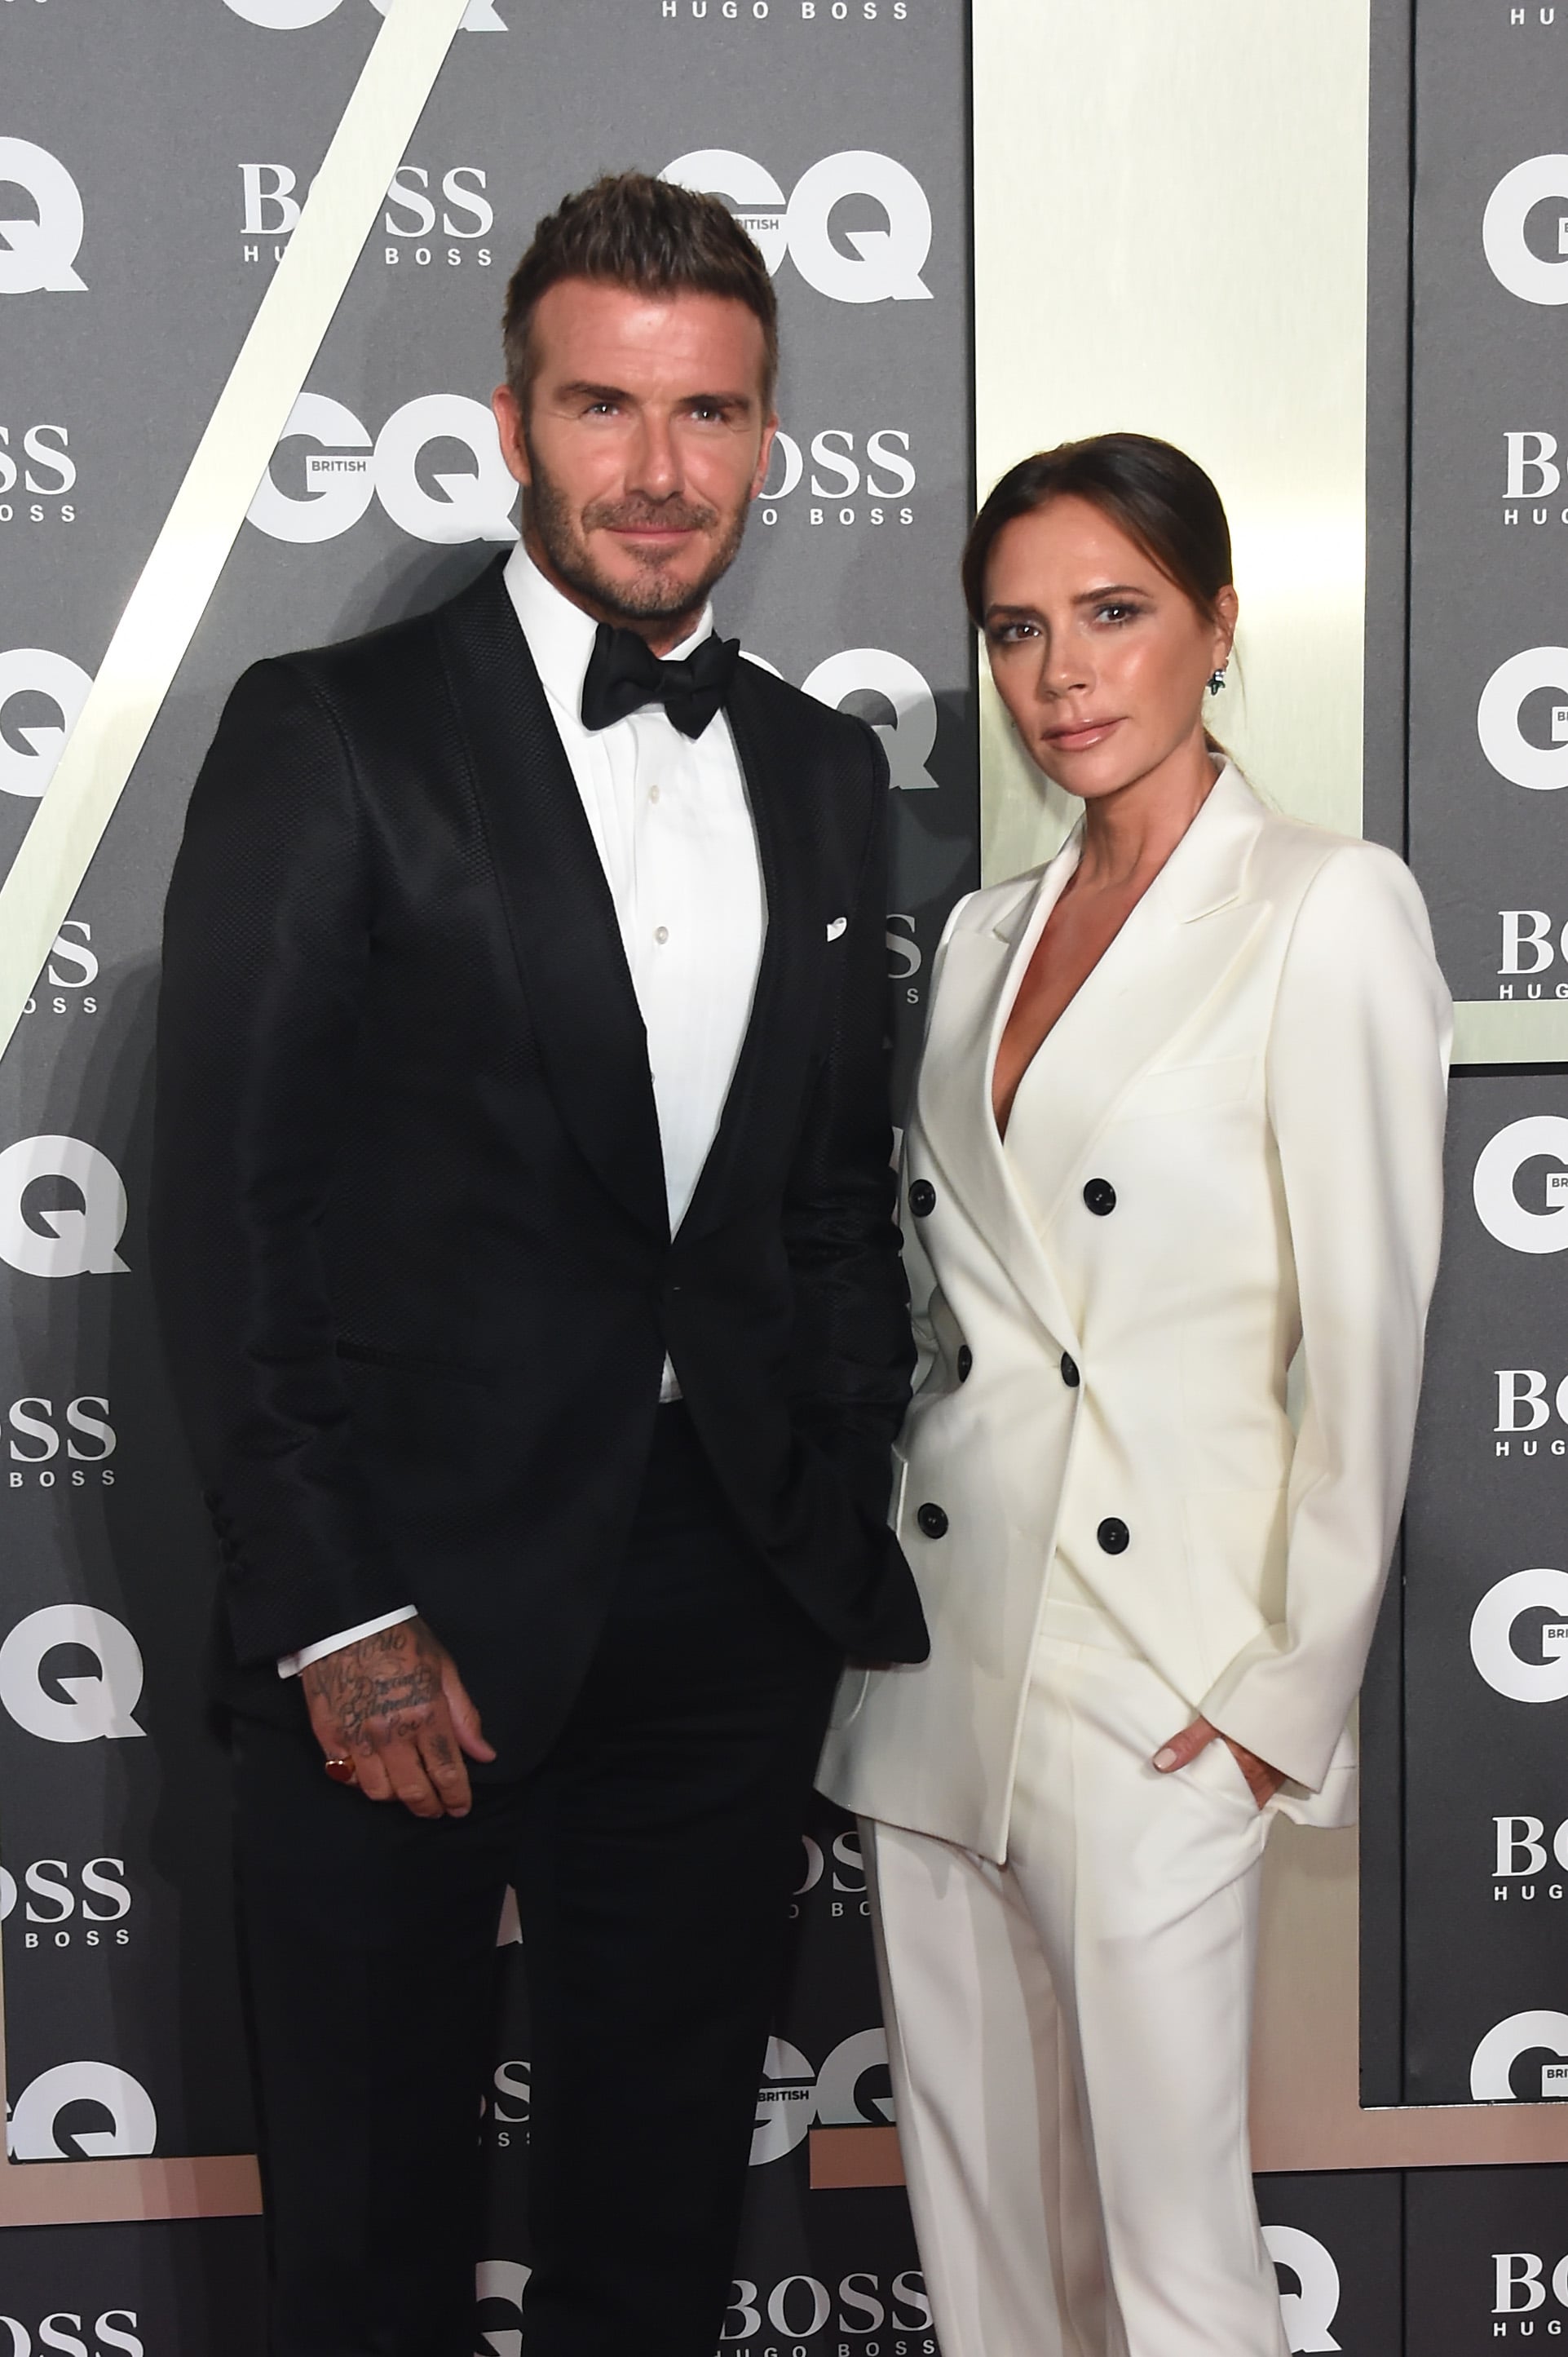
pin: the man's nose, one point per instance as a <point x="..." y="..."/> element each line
<point x="655" y="461"/>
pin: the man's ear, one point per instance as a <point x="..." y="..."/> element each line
<point x="508" y="413"/>
<point x="764" y="455"/>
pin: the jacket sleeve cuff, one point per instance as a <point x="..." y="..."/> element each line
<point x="291" y="1664"/>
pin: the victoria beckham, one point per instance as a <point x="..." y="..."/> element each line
<point x="1179" y="1123"/>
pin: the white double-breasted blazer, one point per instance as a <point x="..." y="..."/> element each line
<point x="1237" y="1150"/>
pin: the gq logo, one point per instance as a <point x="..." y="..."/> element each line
<point x="35" y="2131"/>
<point x="288" y="15"/>
<point x="498" y="2287"/>
<point x="1541" y="768"/>
<point x="343" y="473"/>
<point x="885" y="689"/>
<point x="1310" y="2311"/>
<point x="1492" y="2065"/>
<point x="883" y="265"/>
<point x="62" y="1209"/>
<point x="1540" y="1137"/>
<point x="73" y="1705"/>
<point x="1513" y="261"/>
<point x="1492" y="1629"/>
<point x="38" y="248"/>
<point x="41" y="696"/>
<point x="790" y="2098"/>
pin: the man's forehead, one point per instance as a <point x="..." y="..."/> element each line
<point x="584" y="328"/>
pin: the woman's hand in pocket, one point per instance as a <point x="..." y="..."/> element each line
<point x="1262" y="1781"/>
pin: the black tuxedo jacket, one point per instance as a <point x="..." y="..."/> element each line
<point x="410" y="1239"/>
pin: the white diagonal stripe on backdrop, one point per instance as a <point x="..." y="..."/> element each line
<point x="179" y="577"/>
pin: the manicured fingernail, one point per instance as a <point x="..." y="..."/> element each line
<point x="1165" y="1759"/>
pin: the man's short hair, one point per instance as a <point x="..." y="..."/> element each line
<point x="630" y="230"/>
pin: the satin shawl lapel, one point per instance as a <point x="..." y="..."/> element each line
<point x="562" y="918"/>
<point x="981" y="974"/>
<point x="760" y="1112"/>
<point x="1163" y="966"/>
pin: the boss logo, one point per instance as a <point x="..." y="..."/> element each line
<point x="1498" y="1636"/>
<point x="1525" y="1403"/>
<point x="422" y="208"/>
<point x="906" y="957"/>
<point x="87" y="1903"/>
<point x="854" y="264"/>
<point x="1524" y="231"/>
<point x="848" y="2092"/>
<point x="1308" y="2311"/>
<point x="72" y="1673"/>
<point x="69" y="976"/>
<point x="1524" y="1870"/>
<point x="408" y="468"/>
<point x="1521" y="1185"/>
<point x="838" y="471"/>
<point x="41" y="696"/>
<point x="71" y="2336"/>
<point x="1523" y="719"/>
<point x="1520" y="2288"/>
<point x="60" y="2116"/>
<point x="39" y="245"/>
<point x="845" y="1874"/>
<point x="62" y="1209"/>
<point x="291" y="15"/>
<point x="48" y="1444"/>
<point x="795" y="2309"/>
<point x="36" y="471"/>
<point x="1532" y="944"/>
<point x="510" y="2104"/>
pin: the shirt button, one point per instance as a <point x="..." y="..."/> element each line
<point x="922" y="1198"/>
<point x="933" y="1522"/>
<point x="1114" y="1535"/>
<point x="660" y="935"/>
<point x="653" y="793"/>
<point x="965" y="1360"/>
<point x="1100" y="1197"/>
<point x="1069" y="1371"/>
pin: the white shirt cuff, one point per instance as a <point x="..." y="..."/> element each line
<point x="291" y="1664"/>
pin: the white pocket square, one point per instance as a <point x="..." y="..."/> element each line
<point x="839" y="925"/>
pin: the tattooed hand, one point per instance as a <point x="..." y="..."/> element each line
<point x="396" y="1705"/>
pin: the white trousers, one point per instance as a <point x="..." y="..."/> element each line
<point x="1069" y="2035"/>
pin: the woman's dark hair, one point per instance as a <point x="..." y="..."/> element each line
<point x="629" y="229"/>
<point x="1157" y="495"/>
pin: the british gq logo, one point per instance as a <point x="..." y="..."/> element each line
<point x="1505" y="229"/>
<point x="289" y="15"/>
<point x="498" y="2287"/>
<point x="39" y="246"/>
<point x="1538" y="677"/>
<point x="422" y="208"/>
<point x="792" y="2096"/>
<point x="1492" y="2065"/>
<point x="1309" y="2311"/>
<point x="50" y="1694"/>
<point x="1527" y="1212"/>
<point x="41" y="696"/>
<point x="882" y="687"/>
<point x="38" y="2130"/>
<point x="881" y="265"/>
<point x="436" y="466"/>
<point x="1496" y="1637"/>
<point x="62" y="1209"/>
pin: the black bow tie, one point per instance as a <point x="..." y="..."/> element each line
<point x="624" y="675"/>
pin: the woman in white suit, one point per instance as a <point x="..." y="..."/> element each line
<point x="1179" y="1116"/>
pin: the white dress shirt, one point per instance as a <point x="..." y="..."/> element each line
<point x="673" y="830"/>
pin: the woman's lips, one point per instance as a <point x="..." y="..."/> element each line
<point x="1078" y="739"/>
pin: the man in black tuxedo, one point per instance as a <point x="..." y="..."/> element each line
<point x="522" y="1227"/>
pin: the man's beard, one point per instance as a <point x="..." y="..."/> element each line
<point x="656" y="596"/>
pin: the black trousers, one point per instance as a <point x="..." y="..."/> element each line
<point x="653" y="1853"/>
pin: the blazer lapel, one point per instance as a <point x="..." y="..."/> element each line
<point x="794" y="946"/>
<point x="560" y="912"/>
<point x="1152" y="985"/>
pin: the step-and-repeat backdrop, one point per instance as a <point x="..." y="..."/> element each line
<point x="153" y="167"/>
